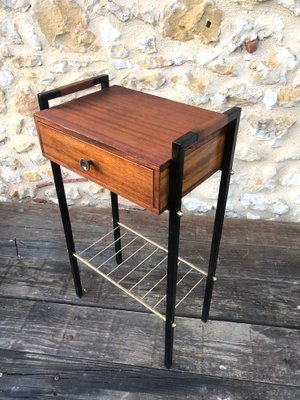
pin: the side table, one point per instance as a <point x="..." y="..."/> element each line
<point x="150" y="150"/>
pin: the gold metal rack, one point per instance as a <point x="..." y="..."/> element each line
<point x="100" y="257"/>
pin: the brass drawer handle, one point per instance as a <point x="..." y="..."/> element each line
<point x="85" y="164"/>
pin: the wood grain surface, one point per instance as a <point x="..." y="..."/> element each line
<point x="137" y="127"/>
<point x="104" y="346"/>
<point x="133" y="123"/>
<point x="78" y="379"/>
<point x="116" y="173"/>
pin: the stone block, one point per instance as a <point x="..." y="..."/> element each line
<point x="144" y="13"/>
<point x="153" y="62"/>
<point x="72" y="192"/>
<point x="292" y="5"/>
<point x="241" y="94"/>
<point x="27" y="61"/>
<point x="261" y="178"/>
<point x="31" y="176"/>
<point x="6" y="78"/>
<point x="37" y="158"/>
<point x="17" y="5"/>
<point x="291" y="178"/>
<point x="275" y="68"/>
<point x="10" y="176"/>
<point x="5" y="51"/>
<point x="31" y="36"/>
<point x="145" y="82"/>
<point x="189" y="19"/>
<point x="260" y="202"/>
<point x="270" y="98"/>
<point x="108" y="32"/>
<point x="121" y="64"/>
<point x="64" y="25"/>
<point x="121" y="12"/>
<point x="59" y="67"/>
<point x="148" y="45"/>
<point x="246" y="153"/>
<point x="9" y="32"/>
<point x="26" y="101"/>
<point x="237" y="33"/>
<point x="270" y="127"/>
<point x="220" y="66"/>
<point x="118" y="50"/>
<point x="288" y="96"/>
<point x="195" y="205"/>
<point x="3" y="188"/>
<point x="22" y="143"/>
<point x="2" y="102"/>
<point x="195" y="88"/>
<point x="25" y="191"/>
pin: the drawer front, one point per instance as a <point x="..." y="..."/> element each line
<point x="124" y="177"/>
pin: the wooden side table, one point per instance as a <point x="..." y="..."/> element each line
<point x="150" y="150"/>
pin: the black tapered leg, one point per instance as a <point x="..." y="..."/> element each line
<point x="175" y="194"/>
<point x="215" y="245"/>
<point x="173" y="246"/>
<point x="115" y="216"/>
<point x="233" y="115"/>
<point x="66" y="225"/>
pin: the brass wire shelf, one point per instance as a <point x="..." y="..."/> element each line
<point x="100" y="257"/>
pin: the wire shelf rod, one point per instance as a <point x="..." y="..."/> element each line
<point x="119" y="286"/>
<point x="154" y="286"/>
<point x="163" y="248"/>
<point x="189" y="292"/>
<point x="139" y="264"/>
<point x="119" y="251"/>
<point x="148" y="273"/>
<point x="128" y="258"/>
<point x="107" y="247"/>
<point x="97" y="241"/>
<point x="180" y="280"/>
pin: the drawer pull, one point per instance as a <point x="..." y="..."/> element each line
<point x="85" y="164"/>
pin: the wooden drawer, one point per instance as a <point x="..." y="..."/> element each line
<point x="122" y="176"/>
<point x="128" y="136"/>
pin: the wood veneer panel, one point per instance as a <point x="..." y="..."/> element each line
<point x="133" y="181"/>
<point x="200" y="162"/>
<point x="137" y="125"/>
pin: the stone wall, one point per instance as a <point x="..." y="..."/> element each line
<point x="209" y="54"/>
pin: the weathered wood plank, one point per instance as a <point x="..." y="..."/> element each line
<point x="252" y="291"/>
<point x="39" y="376"/>
<point x="258" y="281"/>
<point x="45" y="216"/>
<point x="263" y="262"/>
<point x="220" y="349"/>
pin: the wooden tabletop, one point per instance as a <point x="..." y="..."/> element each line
<point x="137" y="125"/>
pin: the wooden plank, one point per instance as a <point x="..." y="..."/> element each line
<point x="269" y="264"/>
<point x="220" y="349"/>
<point x="236" y="231"/>
<point x="231" y="255"/>
<point x="262" y="289"/>
<point x="42" y="376"/>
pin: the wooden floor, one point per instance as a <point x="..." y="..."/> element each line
<point x="106" y="346"/>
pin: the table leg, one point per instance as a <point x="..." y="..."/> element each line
<point x="234" y="117"/>
<point x="215" y="244"/>
<point x="115" y="216"/>
<point x="175" y="194"/>
<point x="66" y="225"/>
<point x="173" y="246"/>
